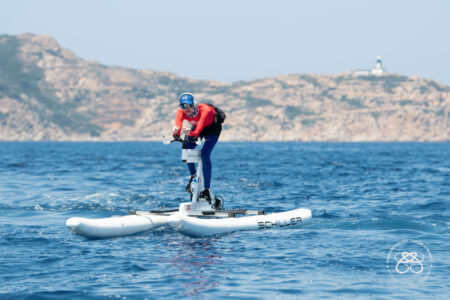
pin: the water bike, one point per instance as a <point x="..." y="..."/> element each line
<point x="196" y="218"/>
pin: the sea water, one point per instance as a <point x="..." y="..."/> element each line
<point x="379" y="209"/>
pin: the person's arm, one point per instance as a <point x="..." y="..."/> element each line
<point x="206" y="118"/>
<point x="178" y="122"/>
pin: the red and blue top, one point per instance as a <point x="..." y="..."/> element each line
<point x="204" y="118"/>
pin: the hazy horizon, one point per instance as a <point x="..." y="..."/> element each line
<point x="232" y="41"/>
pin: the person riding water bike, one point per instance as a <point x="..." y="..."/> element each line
<point x="206" y="124"/>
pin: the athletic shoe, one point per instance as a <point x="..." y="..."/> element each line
<point x="205" y="195"/>
<point x="188" y="186"/>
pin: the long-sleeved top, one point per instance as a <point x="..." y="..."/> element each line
<point x="204" y="118"/>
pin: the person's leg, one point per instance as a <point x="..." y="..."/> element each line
<point x="210" y="142"/>
<point x="191" y="166"/>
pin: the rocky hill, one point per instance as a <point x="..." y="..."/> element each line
<point x="48" y="93"/>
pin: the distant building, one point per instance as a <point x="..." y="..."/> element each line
<point x="378" y="67"/>
<point x="378" y="70"/>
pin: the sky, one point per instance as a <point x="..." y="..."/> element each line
<point x="236" y="40"/>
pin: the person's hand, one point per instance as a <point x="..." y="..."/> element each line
<point x="186" y="130"/>
<point x="175" y="129"/>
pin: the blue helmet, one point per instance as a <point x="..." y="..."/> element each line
<point x="188" y="98"/>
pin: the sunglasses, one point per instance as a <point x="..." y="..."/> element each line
<point x="185" y="105"/>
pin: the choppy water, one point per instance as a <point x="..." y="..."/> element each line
<point x="370" y="202"/>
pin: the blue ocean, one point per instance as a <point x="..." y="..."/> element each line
<point x="380" y="227"/>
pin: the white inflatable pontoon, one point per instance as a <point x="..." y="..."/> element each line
<point x="115" y="226"/>
<point x="221" y="222"/>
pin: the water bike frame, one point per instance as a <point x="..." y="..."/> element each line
<point x="197" y="183"/>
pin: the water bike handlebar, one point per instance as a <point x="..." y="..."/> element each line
<point x="177" y="138"/>
<point x="187" y="155"/>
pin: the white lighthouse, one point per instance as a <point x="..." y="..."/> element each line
<point x="378" y="67"/>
